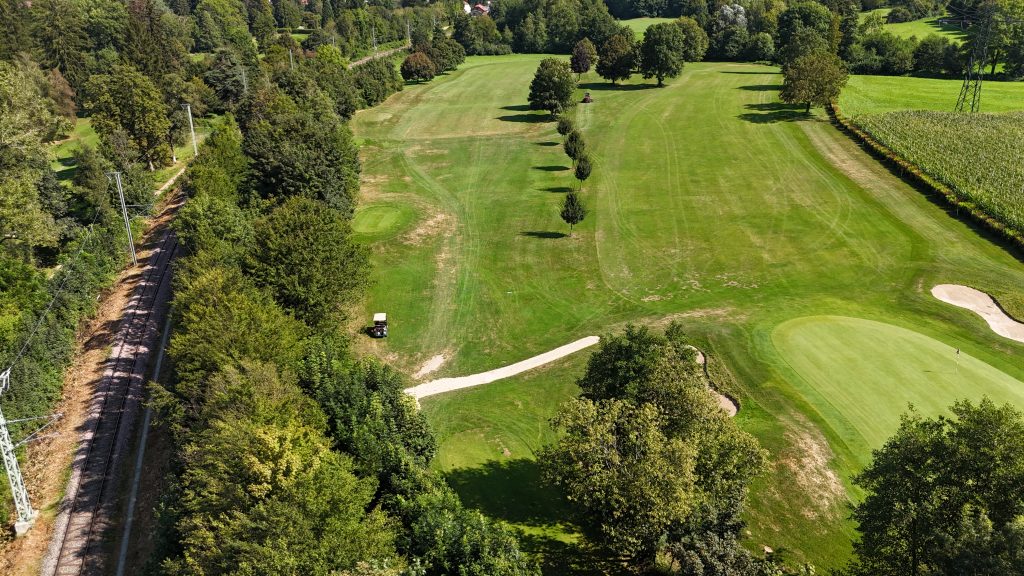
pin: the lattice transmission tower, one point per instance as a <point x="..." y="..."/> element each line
<point x="984" y="20"/>
<point x="8" y="448"/>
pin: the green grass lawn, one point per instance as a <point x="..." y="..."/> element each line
<point x="62" y="152"/>
<point x="884" y="366"/>
<point x="640" y="25"/>
<point x="710" y="203"/>
<point x="919" y="28"/>
<point x="873" y="94"/>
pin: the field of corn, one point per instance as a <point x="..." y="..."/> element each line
<point x="979" y="156"/>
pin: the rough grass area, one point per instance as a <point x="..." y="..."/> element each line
<point x="919" y="28"/>
<point x="874" y="94"/>
<point x="977" y="155"/>
<point x="711" y="203"/>
<point x="640" y="25"/>
<point x="62" y="152"/>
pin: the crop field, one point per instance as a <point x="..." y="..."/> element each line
<point x="977" y="155"/>
<point x="800" y="264"/>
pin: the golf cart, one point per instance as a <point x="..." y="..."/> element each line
<point x="380" y="326"/>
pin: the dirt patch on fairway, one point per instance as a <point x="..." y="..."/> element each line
<point x="983" y="305"/>
<point x="430" y="227"/>
<point x="431" y="365"/>
<point x="807" y="461"/>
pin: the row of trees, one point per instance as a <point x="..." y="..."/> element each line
<point x="749" y="30"/>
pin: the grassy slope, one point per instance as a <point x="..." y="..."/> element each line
<point x="711" y="203"/>
<point x="640" y="25"/>
<point x="873" y="94"/>
<point x="62" y="152"/>
<point x="920" y="28"/>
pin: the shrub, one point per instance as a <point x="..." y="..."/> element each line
<point x="418" y="66"/>
<point x="899" y="14"/>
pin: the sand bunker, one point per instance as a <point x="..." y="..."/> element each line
<point x="724" y="401"/>
<point x="983" y="305"/>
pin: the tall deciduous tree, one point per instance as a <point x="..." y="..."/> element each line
<point x="814" y="79"/>
<point x="629" y="479"/>
<point x="552" y="86"/>
<point x="128" y="100"/>
<point x="695" y="39"/>
<point x="617" y="58"/>
<point x="303" y="252"/>
<point x="943" y="495"/>
<point x="295" y="153"/>
<point x="573" y="211"/>
<point x="583" y="168"/>
<point x="661" y="52"/>
<point x="417" y="66"/>
<point x="584" y="55"/>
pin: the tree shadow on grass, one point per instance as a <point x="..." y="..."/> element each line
<point x="527" y="118"/>
<point x="762" y="87"/>
<point x="510" y="490"/>
<point x="745" y="72"/>
<point x="541" y="234"/>
<point x="551" y="168"/>
<point x="548" y="143"/>
<point x="771" y="112"/>
<point x="517" y="108"/>
<point x="605" y="86"/>
<point x="566" y="558"/>
<point x="558" y="189"/>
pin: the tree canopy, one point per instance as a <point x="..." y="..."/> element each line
<point x="552" y="86"/>
<point x="943" y="495"/>
<point x="661" y="52"/>
<point x="813" y="79"/>
<point x="617" y="58"/>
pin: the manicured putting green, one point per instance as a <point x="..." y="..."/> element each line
<point x="382" y="221"/>
<point x="862" y="374"/>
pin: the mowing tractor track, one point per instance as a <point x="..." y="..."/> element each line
<point x="92" y="497"/>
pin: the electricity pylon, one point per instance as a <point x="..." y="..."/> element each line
<point x="970" y="91"/>
<point x="26" y="514"/>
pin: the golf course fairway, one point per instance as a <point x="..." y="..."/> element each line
<point x="862" y="374"/>
<point x="711" y="203"/>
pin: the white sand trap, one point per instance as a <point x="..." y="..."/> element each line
<point x="430" y="366"/>
<point x="726" y="404"/>
<point x="983" y="305"/>
<point x="448" y="384"/>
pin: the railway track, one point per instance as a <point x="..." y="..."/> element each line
<point x="92" y="499"/>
